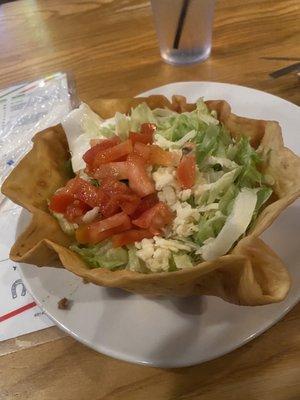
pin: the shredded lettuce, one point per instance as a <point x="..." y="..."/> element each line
<point x="209" y="227"/>
<point x="204" y="114"/>
<point x="182" y="261"/>
<point x="226" y="202"/>
<point x="209" y="192"/>
<point x="167" y="144"/>
<point x="221" y="185"/>
<point x="212" y="175"/>
<point x="235" y="225"/>
<point x="263" y="195"/>
<point x="214" y="142"/>
<point x="223" y="162"/>
<point x="107" y="130"/>
<point x="134" y="263"/>
<point x="65" y="225"/>
<point x="173" y="126"/>
<point x="139" y="115"/>
<point x="176" y="126"/>
<point x="248" y="158"/>
<point x="102" y="255"/>
<point x="208" y="144"/>
<point x="122" y="125"/>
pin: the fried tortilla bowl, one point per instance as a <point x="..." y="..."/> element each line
<point x="251" y="274"/>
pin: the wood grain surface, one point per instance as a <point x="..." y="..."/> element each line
<point x="110" y="47"/>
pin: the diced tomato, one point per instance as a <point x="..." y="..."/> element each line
<point x="155" y="155"/>
<point x="158" y="156"/>
<point x="70" y="184"/>
<point x="145" y="138"/>
<point x="75" y="211"/>
<point x="146" y="203"/>
<point x="128" y="202"/>
<point x="100" y="230"/>
<point x="87" y="235"/>
<point x="123" y="158"/>
<point x="186" y="171"/>
<point x="86" y="192"/>
<point x="121" y="194"/>
<point x="111" y="222"/>
<point x="117" y="170"/>
<point x="113" y="187"/>
<point x="106" y="143"/>
<point x="139" y="180"/>
<point x="140" y="138"/>
<point x="60" y="201"/>
<point x="147" y="128"/>
<point x="109" y="207"/>
<point x="99" y="145"/>
<point x="131" y="236"/>
<point x="93" y="196"/>
<point x="114" y="153"/>
<point x="142" y="150"/>
<point x="155" y="218"/>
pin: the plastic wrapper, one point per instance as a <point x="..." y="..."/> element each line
<point x="28" y="108"/>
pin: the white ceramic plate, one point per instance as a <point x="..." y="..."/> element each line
<point x="174" y="332"/>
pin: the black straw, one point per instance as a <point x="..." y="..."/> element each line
<point x="180" y="24"/>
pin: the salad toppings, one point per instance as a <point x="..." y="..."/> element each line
<point x="148" y="202"/>
<point x="145" y="136"/>
<point x="186" y="171"/>
<point x="76" y="210"/>
<point x="98" y="231"/>
<point x="116" y="170"/>
<point x="114" y="153"/>
<point x="157" y="190"/>
<point x="139" y="180"/>
<point x="98" y="146"/>
<point x="155" y="218"/>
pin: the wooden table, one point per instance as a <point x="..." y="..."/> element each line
<point x="110" y="46"/>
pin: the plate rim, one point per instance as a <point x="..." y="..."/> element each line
<point x="297" y="108"/>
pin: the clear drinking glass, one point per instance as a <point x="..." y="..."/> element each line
<point x="184" y="29"/>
